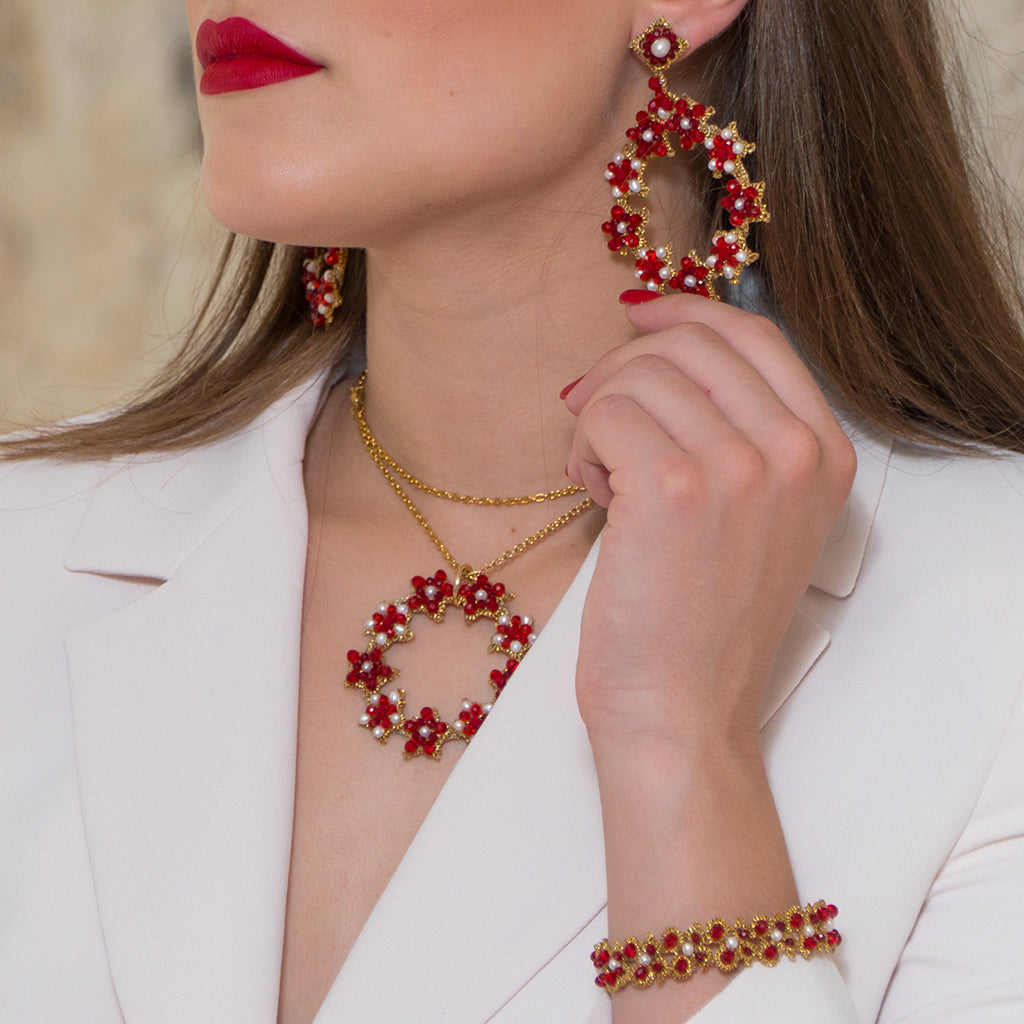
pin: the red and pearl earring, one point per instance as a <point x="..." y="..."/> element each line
<point x="668" y="115"/>
<point x="323" y="273"/>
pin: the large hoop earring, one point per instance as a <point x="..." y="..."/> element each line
<point x="690" y="122"/>
<point x="323" y="274"/>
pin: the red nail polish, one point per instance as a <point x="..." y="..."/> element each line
<point x="564" y="393"/>
<point x="635" y="296"/>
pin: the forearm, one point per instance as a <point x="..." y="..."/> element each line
<point x="689" y="836"/>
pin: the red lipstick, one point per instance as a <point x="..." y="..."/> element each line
<point x="235" y="54"/>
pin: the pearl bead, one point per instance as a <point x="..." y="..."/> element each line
<point x="741" y="257"/>
<point x="487" y="708"/>
<point x="727" y="135"/>
<point x="728" y="167"/>
<point x="496" y="639"/>
<point x="425" y="731"/>
<point x="809" y="930"/>
<point x="645" y="959"/>
<point x="690" y="281"/>
<point x="731" y="237"/>
<point x="395" y="719"/>
<point x="379" y="731"/>
<point x="648" y="136"/>
<point x="402" y="609"/>
<point x="381" y="638"/>
<point x="634" y="186"/>
<point x="459" y="726"/>
<point x="661" y="47"/>
<point x="686" y="124"/>
<point x="729" y="273"/>
<point x="515" y="647"/>
<point x="737" y="148"/>
<point x="686" y="949"/>
<point x="481" y="595"/>
<point x="431" y="591"/>
<point x="364" y="719"/>
<point x="732" y="942"/>
<point x="393" y="696"/>
<point x="776" y="935"/>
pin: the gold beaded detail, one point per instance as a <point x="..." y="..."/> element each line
<point x="681" y="953"/>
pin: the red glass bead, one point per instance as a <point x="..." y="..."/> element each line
<point x="681" y="966"/>
<point x="771" y="953"/>
<point x="727" y="956"/>
<point x="629" y="951"/>
<point x="716" y="933"/>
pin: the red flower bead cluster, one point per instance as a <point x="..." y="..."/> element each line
<point x="681" y="953"/>
<point x="665" y="116"/>
<point x="427" y="733"/>
<point x="322" y="274"/>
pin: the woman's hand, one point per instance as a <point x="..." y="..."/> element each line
<point x="722" y="469"/>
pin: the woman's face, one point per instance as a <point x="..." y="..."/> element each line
<point x="423" y="111"/>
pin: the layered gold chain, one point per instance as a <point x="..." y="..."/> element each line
<point x="391" y="471"/>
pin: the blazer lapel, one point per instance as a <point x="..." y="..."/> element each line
<point x="506" y="868"/>
<point x="184" y="708"/>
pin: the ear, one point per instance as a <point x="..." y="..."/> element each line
<point x="696" y="21"/>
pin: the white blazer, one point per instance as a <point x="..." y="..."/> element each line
<point x="149" y="639"/>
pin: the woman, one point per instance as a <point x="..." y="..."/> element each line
<point x="796" y="658"/>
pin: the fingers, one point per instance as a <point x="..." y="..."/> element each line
<point x="718" y="384"/>
<point x="673" y="324"/>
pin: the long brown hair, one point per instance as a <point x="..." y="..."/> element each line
<point x="879" y="259"/>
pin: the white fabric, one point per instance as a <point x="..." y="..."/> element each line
<point x="149" y="628"/>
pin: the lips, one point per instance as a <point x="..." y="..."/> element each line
<point x="235" y="54"/>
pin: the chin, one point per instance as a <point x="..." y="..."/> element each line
<point x="278" y="206"/>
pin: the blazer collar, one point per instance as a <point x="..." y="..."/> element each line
<point x="184" y="705"/>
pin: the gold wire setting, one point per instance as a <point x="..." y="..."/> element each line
<point x="649" y="137"/>
<point x="680" y="954"/>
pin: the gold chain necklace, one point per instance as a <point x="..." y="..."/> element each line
<point x="472" y="591"/>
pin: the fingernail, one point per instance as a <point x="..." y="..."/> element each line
<point x="635" y="296"/>
<point x="564" y="393"/>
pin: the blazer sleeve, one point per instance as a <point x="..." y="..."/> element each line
<point x="964" y="961"/>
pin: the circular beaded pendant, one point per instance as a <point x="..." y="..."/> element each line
<point x="426" y="733"/>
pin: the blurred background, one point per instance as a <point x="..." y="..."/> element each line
<point x="104" y="243"/>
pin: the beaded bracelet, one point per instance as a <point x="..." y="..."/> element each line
<point x="680" y="954"/>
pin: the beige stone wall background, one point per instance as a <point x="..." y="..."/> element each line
<point x="103" y="239"/>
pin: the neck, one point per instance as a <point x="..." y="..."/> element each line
<point x="472" y="335"/>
